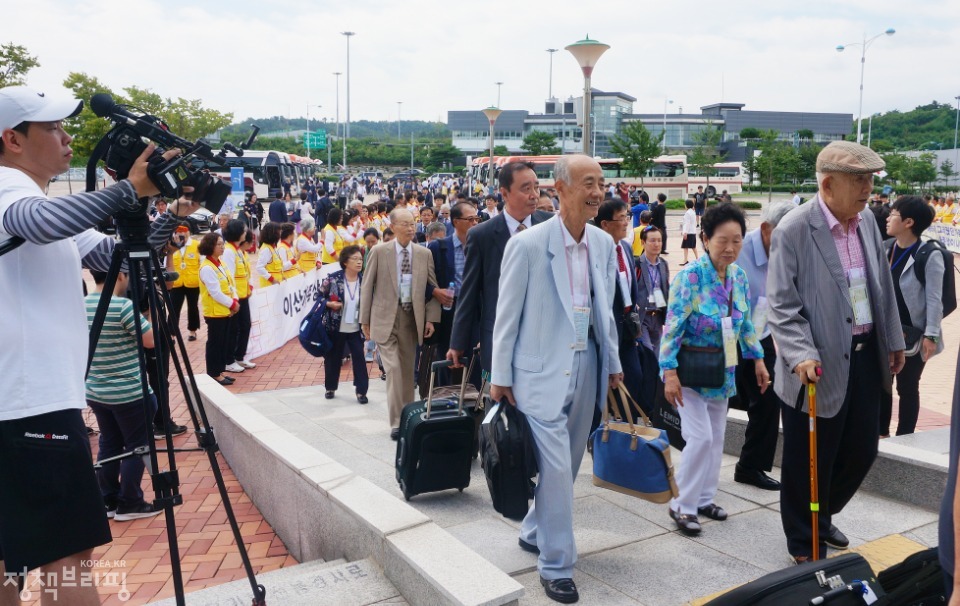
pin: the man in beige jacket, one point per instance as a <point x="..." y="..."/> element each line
<point x="394" y="311"/>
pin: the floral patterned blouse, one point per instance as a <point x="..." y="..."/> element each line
<point x="698" y="302"/>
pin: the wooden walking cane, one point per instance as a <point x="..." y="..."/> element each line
<point x="814" y="479"/>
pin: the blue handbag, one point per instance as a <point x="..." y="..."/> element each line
<point x="632" y="458"/>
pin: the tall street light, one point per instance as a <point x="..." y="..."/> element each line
<point x="499" y="84"/>
<point x="664" y="141"/>
<point x="587" y="52"/>
<point x="550" y="88"/>
<point x="399" y="103"/>
<point x="863" y="59"/>
<point x="492" y="113"/>
<point x="337" y="74"/>
<point x="346" y="132"/>
<point x="307" y="138"/>
<point x="956" y="128"/>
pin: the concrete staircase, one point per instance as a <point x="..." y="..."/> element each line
<point x="359" y="583"/>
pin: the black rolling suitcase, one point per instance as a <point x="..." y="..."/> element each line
<point x="834" y="581"/>
<point x="507" y="458"/>
<point x="435" y="447"/>
<point x="916" y="581"/>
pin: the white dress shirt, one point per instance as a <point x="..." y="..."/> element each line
<point x="400" y="249"/>
<point x="513" y="223"/>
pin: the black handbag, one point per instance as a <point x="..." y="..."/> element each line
<point x="703" y="366"/>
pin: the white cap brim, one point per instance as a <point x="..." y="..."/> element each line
<point x="20" y="104"/>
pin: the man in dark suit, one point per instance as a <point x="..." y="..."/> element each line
<point x="477" y="305"/>
<point x="659" y="218"/>
<point x="277" y="212"/>
<point x="449" y="260"/>
<point x="613" y="217"/>
<point x="324" y="204"/>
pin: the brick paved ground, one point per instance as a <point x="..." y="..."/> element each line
<point x="208" y="554"/>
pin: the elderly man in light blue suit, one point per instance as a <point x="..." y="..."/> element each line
<point x="555" y="355"/>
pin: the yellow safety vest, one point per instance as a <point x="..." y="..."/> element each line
<point x="241" y="277"/>
<point x="292" y="257"/>
<point x="210" y="307"/>
<point x="638" y="241"/>
<point x="274" y="267"/>
<point x="186" y="262"/>
<point x="307" y="260"/>
<point x="338" y="244"/>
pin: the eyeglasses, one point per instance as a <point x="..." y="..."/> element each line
<point x="473" y="219"/>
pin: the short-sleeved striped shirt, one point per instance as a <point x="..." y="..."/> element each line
<point x="115" y="372"/>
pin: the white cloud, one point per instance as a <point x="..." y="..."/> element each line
<point x="262" y="59"/>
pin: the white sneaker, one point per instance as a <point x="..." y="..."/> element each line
<point x="246" y="364"/>
<point x="234" y="368"/>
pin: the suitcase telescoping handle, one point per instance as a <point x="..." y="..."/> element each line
<point x="433" y="375"/>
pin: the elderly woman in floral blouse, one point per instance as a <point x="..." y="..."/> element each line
<point x="341" y="289"/>
<point x="708" y="313"/>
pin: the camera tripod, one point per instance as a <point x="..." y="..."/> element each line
<point x="143" y="265"/>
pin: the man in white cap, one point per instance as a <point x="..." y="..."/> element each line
<point x="51" y="511"/>
<point x="832" y="306"/>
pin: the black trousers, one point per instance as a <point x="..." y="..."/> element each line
<point x="333" y="361"/>
<point x="216" y="345"/>
<point x="192" y="296"/>
<point x="846" y="448"/>
<point x="238" y="333"/>
<point x="763" y="411"/>
<point x="908" y="388"/>
<point x="159" y="382"/>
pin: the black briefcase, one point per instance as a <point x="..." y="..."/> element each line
<point x="834" y="581"/>
<point x="507" y="458"/>
<point x="436" y="444"/>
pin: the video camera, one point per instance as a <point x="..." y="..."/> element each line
<point x="129" y="136"/>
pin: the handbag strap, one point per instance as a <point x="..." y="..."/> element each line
<point x="627" y="398"/>
<point x="612" y="403"/>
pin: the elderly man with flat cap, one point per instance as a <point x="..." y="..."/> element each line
<point x="832" y="306"/>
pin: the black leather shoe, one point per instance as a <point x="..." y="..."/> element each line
<point x="561" y="590"/>
<point x="395" y="434"/>
<point x="755" y="477"/>
<point x="328" y="395"/>
<point x="836" y="539"/>
<point x="530" y="547"/>
<point x="713" y="511"/>
<point x="687" y="524"/>
<point x="362" y="398"/>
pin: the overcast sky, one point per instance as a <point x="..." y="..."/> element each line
<point x="274" y="57"/>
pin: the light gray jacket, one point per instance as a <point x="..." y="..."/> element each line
<point x="811" y="317"/>
<point x="925" y="304"/>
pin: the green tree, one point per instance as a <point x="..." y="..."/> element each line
<point x="921" y="170"/>
<point x="186" y="118"/>
<point x="946" y="171"/>
<point x="441" y="153"/>
<point x="705" y="153"/>
<point x="539" y="143"/>
<point x="775" y="162"/>
<point x="805" y="134"/>
<point x="638" y="148"/>
<point x="749" y="133"/>
<point x="15" y="62"/>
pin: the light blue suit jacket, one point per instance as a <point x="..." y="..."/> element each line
<point x="534" y="333"/>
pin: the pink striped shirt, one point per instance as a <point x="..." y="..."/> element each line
<point x="850" y="250"/>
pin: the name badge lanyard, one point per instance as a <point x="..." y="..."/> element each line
<point x="894" y="263"/>
<point x="226" y="277"/>
<point x="581" y="313"/>
<point x="729" y="336"/>
<point x="352" y="298"/>
<point x="183" y="257"/>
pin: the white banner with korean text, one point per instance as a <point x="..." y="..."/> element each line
<point x="948" y="234"/>
<point x="276" y="311"/>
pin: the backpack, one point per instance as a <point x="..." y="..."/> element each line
<point x="949" y="297"/>
<point x="313" y="334"/>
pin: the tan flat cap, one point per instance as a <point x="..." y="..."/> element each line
<point x="848" y="157"/>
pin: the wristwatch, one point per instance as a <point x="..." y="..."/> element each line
<point x="932" y="338"/>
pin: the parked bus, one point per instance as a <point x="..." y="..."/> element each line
<point x="670" y="174"/>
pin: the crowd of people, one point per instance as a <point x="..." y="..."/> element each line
<point x="565" y="300"/>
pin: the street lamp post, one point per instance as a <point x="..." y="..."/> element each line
<point x="863" y="59"/>
<point x="550" y="86"/>
<point x="956" y="128"/>
<point x="346" y="131"/>
<point x="399" y="103"/>
<point x="307" y="138"/>
<point x="663" y="143"/>
<point x="492" y="113"/>
<point x="587" y="52"/>
<point x="499" y="84"/>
